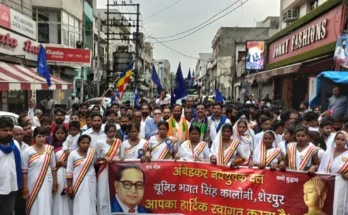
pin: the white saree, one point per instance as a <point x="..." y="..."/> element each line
<point x="39" y="167"/>
<point x="226" y="156"/>
<point x="62" y="204"/>
<point x="265" y="156"/>
<point x="200" y="152"/>
<point x="163" y="150"/>
<point x="129" y="152"/>
<point x="105" y="150"/>
<point x="301" y="161"/>
<point x="337" y="165"/>
<point x="81" y="170"/>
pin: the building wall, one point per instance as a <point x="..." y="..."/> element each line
<point x="163" y="72"/>
<point x="224" y="47"/>
<point x="71" y="6"/>
<point x="23" y="6"/>
<point x="304" y="7"/>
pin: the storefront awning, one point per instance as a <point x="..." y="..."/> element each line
<point x="263" y="76"/>
<point x="16" y="77"/>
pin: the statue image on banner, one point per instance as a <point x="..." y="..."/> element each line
<point x="314" y="196"/>
<point x="129" y="188"/>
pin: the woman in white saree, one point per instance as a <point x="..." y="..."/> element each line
<point x="302" y="155"/>
<point x="242" y="133"/>
<point x="107" y="150"/>
<point x="335" y="161"/>
<point x="134" y="147"/>
<point x="162" y="146"/>
<point x="193" y="149"/>
<point x="62" y="204"/>
<point x="82" y="184"/>
<point x="225" y="150"/>
<point x="267" y="154"/>
<point x="39" y="175"/>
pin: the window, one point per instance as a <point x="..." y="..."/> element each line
<point x="65" y="30"/>
<point x="314" y="4"/>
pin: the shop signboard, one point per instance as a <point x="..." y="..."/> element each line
<point x="14" y="44"/>
<point x="11" y="19"/>
<point x="317" y="33"/>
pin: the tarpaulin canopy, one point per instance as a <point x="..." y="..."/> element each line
<point x="338" y="77"/>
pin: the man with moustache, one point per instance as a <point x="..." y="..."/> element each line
<point x="28" y="132"/>
<point x="124" y="130"/>
<point x="178" y="126"/>
<point x="46" y="124"/>
<point x="96" y="132"/>
<point x="59" y="117"/>
<point x="10" y="171"/>
<point x="166" y="114"/>
<point x="202" y="122"/>
<point x="190" y="104"/>
<point x="188" y="113"/>
<point x="145" y="111"/>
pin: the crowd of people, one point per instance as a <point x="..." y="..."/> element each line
<point x="61" y="166"/>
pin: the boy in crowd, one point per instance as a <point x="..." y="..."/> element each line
<point x="70" y="144"/>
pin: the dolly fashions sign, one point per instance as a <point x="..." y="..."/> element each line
<point x="197" y="188"/>
<point x="317" y="33"/>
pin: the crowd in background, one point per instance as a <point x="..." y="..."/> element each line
<point x="54" y="163"/>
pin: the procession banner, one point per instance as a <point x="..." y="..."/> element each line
<point x="197" y="188"/>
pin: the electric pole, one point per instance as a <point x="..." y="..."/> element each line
<point x="82" y="77"/>
<point x="123" y="22"/>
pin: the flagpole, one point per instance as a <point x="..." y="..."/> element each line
<point x="34" y="87"/>
<point x="110" y="87"/>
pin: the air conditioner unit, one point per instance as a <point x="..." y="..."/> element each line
<point x="290" y="15"/>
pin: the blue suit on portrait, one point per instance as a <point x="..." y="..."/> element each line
<point x="115" y="207"/>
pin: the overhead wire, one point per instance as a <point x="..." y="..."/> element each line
<point x="242" y="3"/>
<point x="191" y="29"/>
<point x="164" y="9"/>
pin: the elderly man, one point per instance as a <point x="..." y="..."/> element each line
<point x="72" y="100"/>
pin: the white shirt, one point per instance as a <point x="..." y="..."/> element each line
<point x="31" y="115"/>
<point x="214" y="126"/>
<point x="8" y="175"/>
<point x="125" y="209"/>
<point x="71" y="143"/>
<point x="142" y="128"/>
<point x="23" y="147"/>
<point x="95" y="136"/>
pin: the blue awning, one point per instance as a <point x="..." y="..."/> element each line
<point x="338" y="77"/>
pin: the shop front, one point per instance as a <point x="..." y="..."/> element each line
<point x="298" y="53"/>
<point x="18" y="80"/>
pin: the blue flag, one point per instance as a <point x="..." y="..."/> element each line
<point x="41" y="66"/>
<point x="137" y="104"/>
<point x="156" y="80"/>
<point x="189" y="75"/>
<point x="218" y="96"/>
<point x="179" y="87"/>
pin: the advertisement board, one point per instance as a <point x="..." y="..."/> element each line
<point x="14" y="44"/>
<point x="254" y="59"/>
<point x="168" y="187"/>
<point x="341" y="51"/>
<point x="11" y="19"/>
